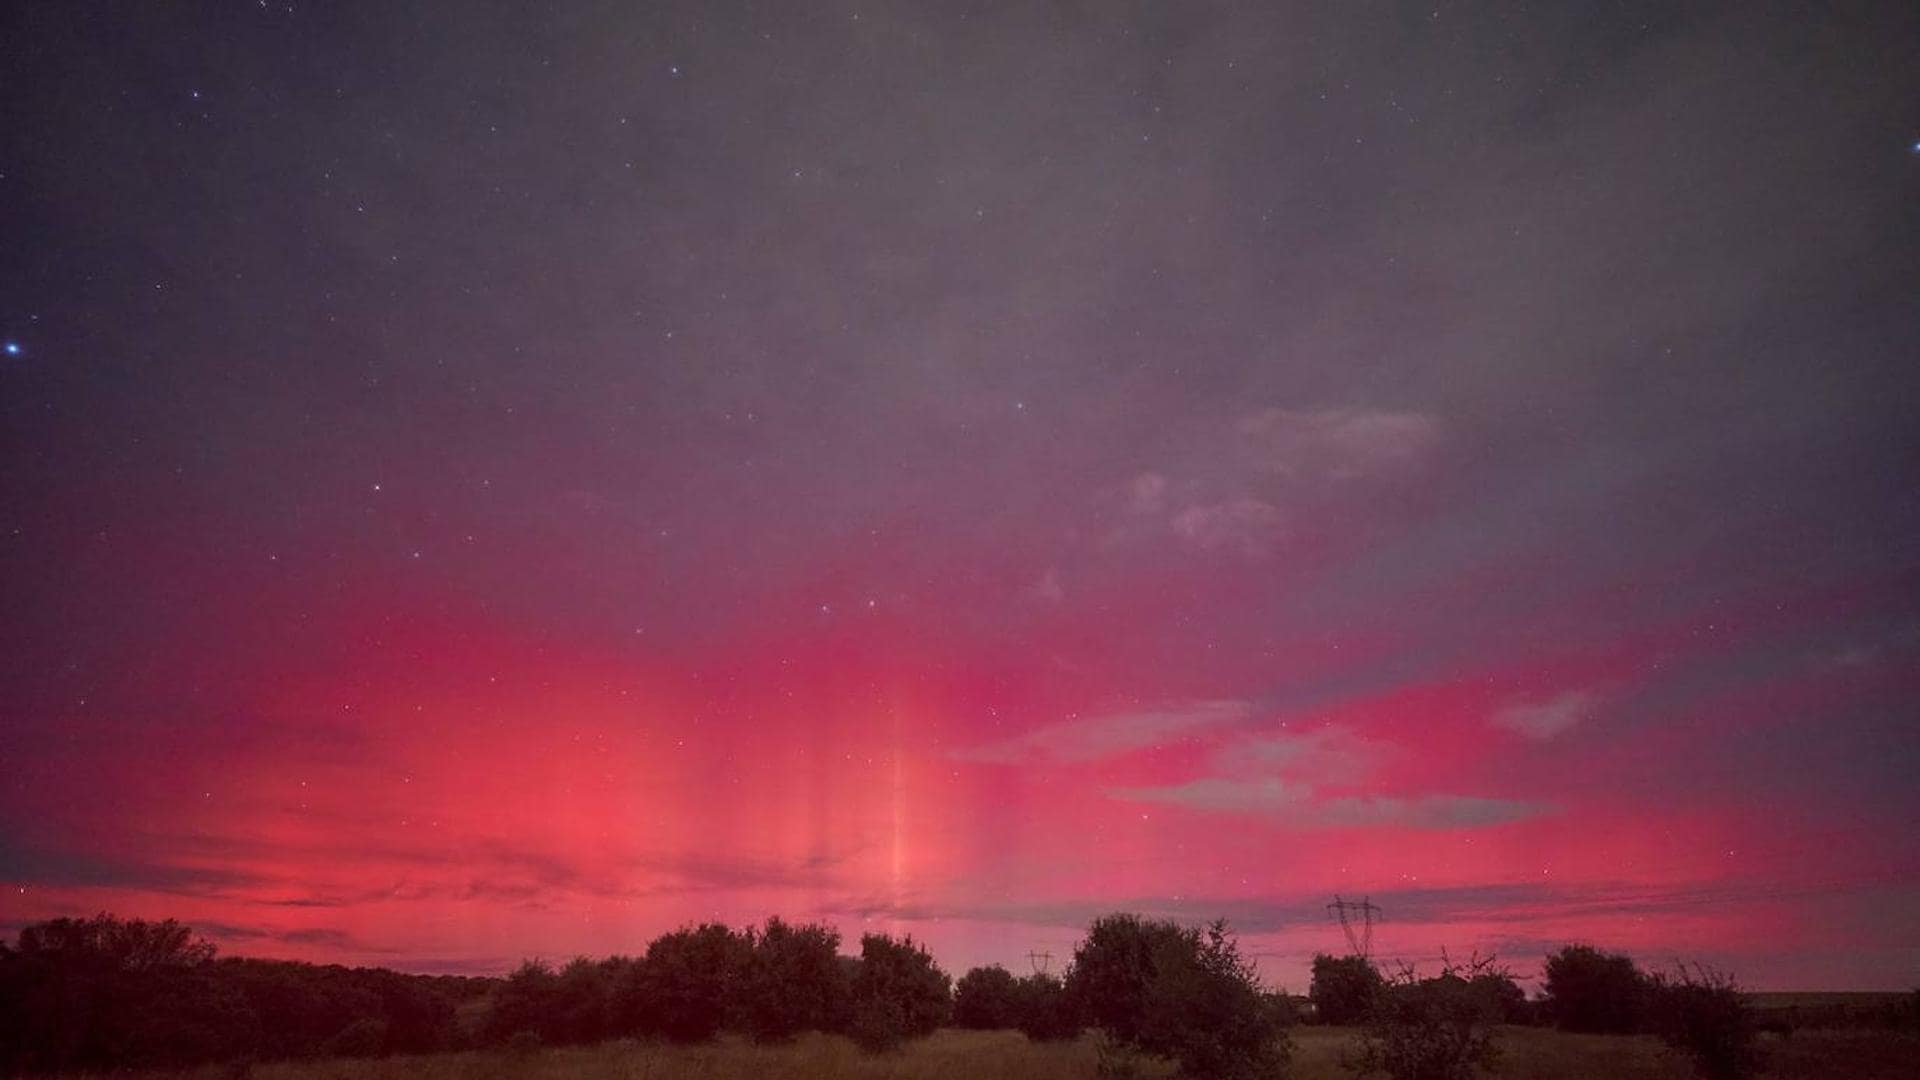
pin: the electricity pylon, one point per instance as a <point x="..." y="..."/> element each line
<point x="1357" y="920"/>
<point x="1039" y="962"/>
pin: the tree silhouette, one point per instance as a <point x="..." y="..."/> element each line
<point x="1594" y="991"/>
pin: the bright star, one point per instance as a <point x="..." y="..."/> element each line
<point x="13" y="348"/>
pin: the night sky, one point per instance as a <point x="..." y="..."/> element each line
<point x="480" y="482"/>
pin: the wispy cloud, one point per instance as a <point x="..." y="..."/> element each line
<point x="1245" y="526"/>
<point x="1325" y="755"/>
<point x="1282" y="777"/>
<point x="1338" y="444"/>
<point x="1219" y="794"/>
<point x="1147" y="494"/>
<point x="1095" y="737"/>
<point x="1295" y="804"/>
<point x="1548" y="718"/>
<point x="245" y="936"/>
<point x="1427" y="811"/>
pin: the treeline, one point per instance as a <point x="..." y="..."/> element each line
<point x="107" y="993"/>
<point x="767" y="983"/>
<point x="104" y="993"/>
<point x="1442" y="1025"/>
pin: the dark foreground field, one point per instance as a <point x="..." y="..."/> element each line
<point x="1528" y="1054"/>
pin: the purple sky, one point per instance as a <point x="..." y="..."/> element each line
<point x="490" y="483"/>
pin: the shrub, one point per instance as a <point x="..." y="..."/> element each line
<point x="899" y="993"/>
<point x="877" y="1024"/>
<point x="365" y="1037"/>
<point x="523" y="1044"/>
<point x="1590" y="990"/>
<point x="1043" y="1011"/>
<point x="524" y="1002"/>
<point x="1509" y="1001"/>
<point x="987" y="998"/>
<point x="791" y="982"/>
<point x="1702" y="1012"/>
<point x="1343" y="988"/>
<point x="686" y="982"/>
<point x="1156" y="987"/>
<point x="1433" y="1029"/>
<point x="107" y="993"/>
<point x="1285" y="1008"/>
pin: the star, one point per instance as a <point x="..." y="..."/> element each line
<point x="13" y="348"/>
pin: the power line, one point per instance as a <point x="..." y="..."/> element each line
<point x="1356" y="919"/>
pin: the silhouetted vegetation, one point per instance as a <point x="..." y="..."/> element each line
<point x="899" y="993"/>
<point x="1046" y="1013"/>
<point x="1702" y="1012"/>
<point x="1158" y="988"/>
<point x="102" y="994"/>
<point x="1438" y="1028"/>
<point x="793" y="981"/>
<point x="684" y="985"/>
<point x="1594" y="991"/>
<point x="986" y="998"/>
<point x="1343" y="988"/>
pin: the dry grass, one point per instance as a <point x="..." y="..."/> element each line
<point x="1527" y="1054"/>
<point x="1858" y="999"/>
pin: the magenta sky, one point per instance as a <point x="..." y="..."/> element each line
<point x="510" y="486"/>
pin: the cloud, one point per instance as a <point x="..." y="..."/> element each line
<point x="1280" y="777"/>
<point x="1245" y="525"/>
<point x="232" y="934"/>
<point x="1338" y="444"/>
<point x="1327" y="755"/>
<point x="1294" y="804"/>
<point x="1544" y="720"/>
<point x="1427" y="811"/>
<point x="1148" y="493"/>
<point x="49" y="866"/>
<point x="1104" y="736"/>
<point x="1048" y="589"/>
<point x="1221" y="795"/>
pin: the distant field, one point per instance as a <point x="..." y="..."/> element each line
<point x="1529" y="1054"/>
<point x="1852" y="999"/>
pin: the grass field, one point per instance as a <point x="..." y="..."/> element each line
<point x="1852" y="999"/>
<point x="1527" y="1054"/>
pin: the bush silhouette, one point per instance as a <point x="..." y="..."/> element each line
<point x="1440" y="1028"/>
<point x="1509" y="1001"/>
<point x="1594" y="991"/>
<point x="792" y="981"/>
<point x="687" y="982"/>
<point x="365" y="1037"/>
<point x="899" y="993"/>
<point x="1702" y="1012"/>
<point x="1343" y="988"/>
<point x="523" y="1002"/>
<point x="1156" y="987"/>
<point x="107" y="993"/>
<point x="987" y="998"/>
<point x="1043" y="1010"/>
